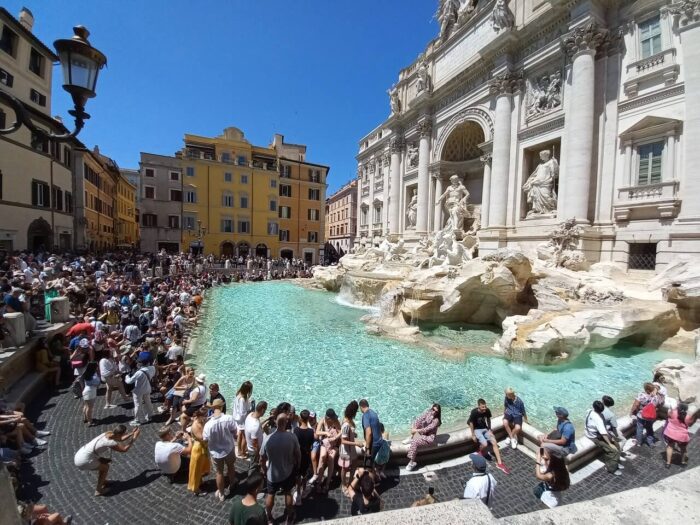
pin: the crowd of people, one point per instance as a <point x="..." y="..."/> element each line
<point x="130" y="339"/>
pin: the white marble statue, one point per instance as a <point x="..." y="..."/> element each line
<point x="456" y="198"/>
<point x="412" y="212"/>
<point x="544" y="94"/>
<point x="413" y="156"/>
<point x="539" y="187"/>
<point x="423" y="83"/>
<point x="447" y="14"/>
<point x="501" y="17"/>
<point x="394" y="100"/>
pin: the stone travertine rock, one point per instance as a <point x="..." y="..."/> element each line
<point x="329" y="277"/>
<point x="680" y="284"/>
<point x="681" y="379"/>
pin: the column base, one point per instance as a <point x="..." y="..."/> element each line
<point x="492" y="239"/>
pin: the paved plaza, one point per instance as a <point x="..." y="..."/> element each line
<point x="140" y="495"/>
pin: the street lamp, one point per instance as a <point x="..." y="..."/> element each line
<point x="80" y="63"/>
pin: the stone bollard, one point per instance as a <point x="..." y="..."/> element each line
<point x="60" y="309"/>
<point x="14" y="323"/>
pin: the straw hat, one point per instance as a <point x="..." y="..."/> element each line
<point x="201" y="378"/>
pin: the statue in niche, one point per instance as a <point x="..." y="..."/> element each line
<point x="413" y="156"/>
<point x="544" y="94"/>
<point x="456" y="198"/>
<point x="394" y="100"/>
<point x="501" y="17"/>
<point x="412" y="212"/>
<point x="447" y="15"/>
<point x="539" y="187"/>
<point x="423" y="83"/>
<point x="466" y="11"/>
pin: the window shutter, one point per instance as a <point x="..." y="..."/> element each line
<point x="45" y="189"/>
<point x="35" y="193"/>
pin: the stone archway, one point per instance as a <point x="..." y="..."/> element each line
<point x="478" y="116"/>
<point x="463" y="143"/>
<point x="39" y="235"/>
<point x="227" y="249"/>
<point x="261" y="250"/>
<point x="243" y="249"/>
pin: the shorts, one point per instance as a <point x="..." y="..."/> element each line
<point x="484" y="435"/>
<point x="514" y="420"/>
<point x="315" y="447"/>
<point x="220" y="463"/>
<point x="284" y="486"/>
<point x="190" y="410"/>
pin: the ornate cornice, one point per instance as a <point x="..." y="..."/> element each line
<point x="584" y="38"/>
<point x="651" y="98"/>
<point x="686" y="12"/>
<point x="545" y="127"/>
<point x="425" y="127"/>
<point x="506" y="83"/>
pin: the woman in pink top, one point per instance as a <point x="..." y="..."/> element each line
<point x="676" y="432"/>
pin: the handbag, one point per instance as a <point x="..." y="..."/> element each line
<point x="649" y="412"/>
<point x="77" y="389"/>
<point x="540" y="489"/>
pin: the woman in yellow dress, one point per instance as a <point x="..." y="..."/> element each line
<point x="199" y="459"/>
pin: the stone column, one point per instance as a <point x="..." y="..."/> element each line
<point x="386" y="162"/>
<point x="359" y="199"/>
<point x="670" y="164"/>
<point x="396" y="146"/>
<point x="627" y="173"/>
<point x="437" y="219"/>
<point x="486" y="192"/>
<point x="580" y="45"/>
<point x="502" y="87"/>
<point x="425" y="128"/>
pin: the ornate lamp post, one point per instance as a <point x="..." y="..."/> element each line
<point x="80" y="63"/>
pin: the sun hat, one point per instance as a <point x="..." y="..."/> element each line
<point x="330" y="413"/>
<point x="217" y="403"/>
<point x="176" y="310"/>
<point x="478" y="462"/>
<point x="561" y="411"/>
<point x="201" y="378"/>
<point x="84" y="343"/>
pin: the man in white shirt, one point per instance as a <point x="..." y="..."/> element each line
<point x="220" y="434"/>
<point x="141" y="394"/>
<point x="169" y="451"/>
<point x="481" y="485"/>
<point x="597" y="432"/>
<point x="174" y="351"/>
<point x="253" y="433"/>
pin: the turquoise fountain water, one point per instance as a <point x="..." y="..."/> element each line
<point x="302" y="346"/>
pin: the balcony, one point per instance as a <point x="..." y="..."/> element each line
<point x="649" y="201"/>
<point x="365" y="191"/>
<point x="656" y="69"/>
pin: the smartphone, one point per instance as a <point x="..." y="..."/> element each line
<point x="541" y="451"/>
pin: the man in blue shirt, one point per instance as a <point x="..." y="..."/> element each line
<point x="564" y="437"/>
<point x="372" y="433"/>
<point x="513" y="416"/>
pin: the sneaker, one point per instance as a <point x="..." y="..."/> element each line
<point x="411" y="466"/>
<point x="507" y="441"/>
<point x="161" y="409"/>
<point x="407" y="441"/>
<point x="43" y="433"/>
<point x="110" y="406"/>
<point x="622" y="459"/>
<point x="297" y="498"/>
<point x="620" y="467"/>
<point x="503" y="468"/>
<point x="134" y="423"/>
<point x="313" y="479"/>
<point x="40" y="442"/>
<point x="617" y="473"/>
<point x="513" y="444"/>
<point x="220" y="495"/>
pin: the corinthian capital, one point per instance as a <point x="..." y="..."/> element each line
<point x="425" y="128"/>
<point x="584" y="38"/>
<point x="685" y="12"/>
<point x="396" y="144"/>
<point x="506" y="83"/>
<point x="485" y="158"/>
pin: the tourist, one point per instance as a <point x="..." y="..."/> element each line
<point x="241" y="408"/>
<point x="347" y="454"/>
<point x="376" y="448"/>
<point x="45" y="364"/>
<point x="423" y="433"/>
<point x="676" y="433"/>
<point x="481" y="485"/>
<point x="597" y="432"/>
<point x="181" y="389"/>
<point x="669" y="403"/>
<point x="254" y="434"/>
<point x="644" y="409"/>
<point x="246" y="510"/>
<point x="141" y="394"/>
<point x="196" y="400"/>
<point x="214" y="394"/>
<point x="96" y="455"/>
<point x="280" y="458"/>
<point x="110" y="376"/>
<point x="564" y="436"/>
<point x="91" y="380"/>
<point x="306" y="436"/>
<point x="551" y="470"/>
<point x="169" y="451"/>
<point x="219" y="433"/>
<point x="316" y="447"/>
<point x="79" y="359"/>
<point x="480" y="424"/>
<point x="513" y="416"/>
<point x="363" y="494"/>
<point x="199" y="458"/>
<point x="328" y="430"/>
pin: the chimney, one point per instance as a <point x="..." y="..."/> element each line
<point x="26" y="18"/>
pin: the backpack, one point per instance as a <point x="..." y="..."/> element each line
<point x="648" y="412"/>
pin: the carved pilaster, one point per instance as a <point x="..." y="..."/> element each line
<point x="506" y="83"/>
<point x="584" y="38"/>
<point x="386" y="159"/>
<point x="425" y="128"/>
<point x="685" y="12"/>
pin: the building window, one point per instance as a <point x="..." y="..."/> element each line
<point x="175" y="176"/>
<point x="150" y="220"/>
<point x="40" y="143"/>
<point x="284" y="235"/>
<point x="150" y="172"/>
<point x="377" y="214"/>
<point x="273" y="205"/>
<point x="66" y="157"/>
<point x="176" y="195"/>
<point x="314" y="194"/>
<point x="149" y="192"/>
<point x="36" y="62"/>
<point x="312" y="237"/>
<point x="227" y="200"/>
<point x="188" y="222"/>
<point x="244" y="179"/>
<point x="226" y="226"/>
<point x="228" y="177"/>
<point x="286" y="171"/>
<point x="191" y="197"/>
<point x="243" y="226"/>
<point x="285" y="190"/>
<point x="174" y="222"/>
<point x="650" y="36"/>
<point x="285" y="212"/>
<point x="273" y="183"/>
<point x="313" y="214"/>
<point x="244" y="201"/>
<point x="649" y="168"/>
<point x="363" y="216"/>
<point x="57" y="198"/>
<point x="6" y="78"/>
<point x="190" y="171"/>
<point x="37" y="97"/>
<point x="272" y="228"/>
<point x="69" y="202"/>
<point x="242" y="161"/>
<point x="8" y="41"/>
<point x="225" y="157"/>
<point x="314" y="175"/>
<point x="642" y="256"/>
<point x="3" y="119"/>
<point x="40" y="194"/>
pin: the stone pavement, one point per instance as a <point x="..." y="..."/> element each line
<point x="139" y="495"/>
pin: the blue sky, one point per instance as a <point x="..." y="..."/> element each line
<point x="313" y="70"/>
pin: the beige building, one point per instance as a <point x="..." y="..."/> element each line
<point x="95" y="188"/>
<point x="341" y="220"/>
<point x="36" y="189"/>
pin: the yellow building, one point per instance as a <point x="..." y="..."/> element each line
<point x="127" y="226"/>
<point x="94" y="203"/>
<point x="234" y="202"/>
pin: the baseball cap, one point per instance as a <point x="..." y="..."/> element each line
<point x="478" y="462"/>
<point x="561" y="411"/>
